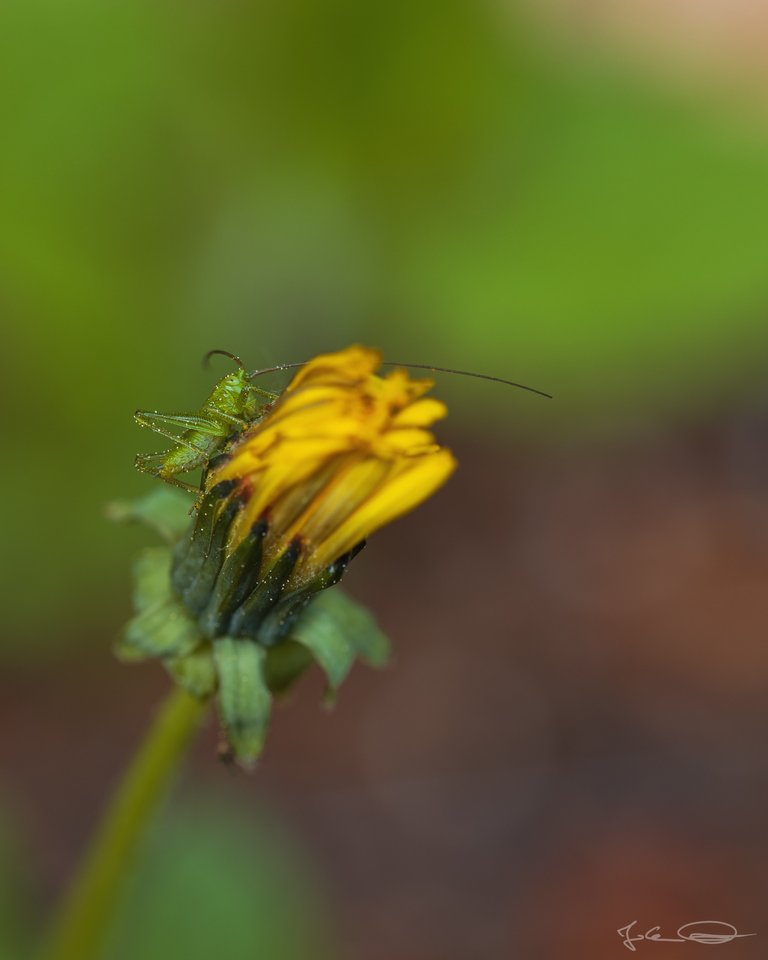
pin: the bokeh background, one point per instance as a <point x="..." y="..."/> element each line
<point x="572" y="734"/>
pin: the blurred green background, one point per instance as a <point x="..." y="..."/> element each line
<point x="278" y="179"/>
<point x="449" y="181"/>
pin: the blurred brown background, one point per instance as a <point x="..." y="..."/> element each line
<point x="572" y="733"/>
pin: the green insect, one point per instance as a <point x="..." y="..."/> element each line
<point x="234" y="404"/>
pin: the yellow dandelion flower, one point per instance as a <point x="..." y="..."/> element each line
<point x="341" y="453"/>
<point x="237" y="604"/>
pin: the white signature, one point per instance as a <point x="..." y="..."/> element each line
<point x="700" y="931"/>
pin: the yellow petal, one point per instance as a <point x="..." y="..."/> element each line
<point x="349" y="488"/>
<point x="308" y="396"/>
<point x="406" y="441"/>
<point x="296" y="498"/>
<point x="418" y="479"/>
<point x="351" y="364"/>
<point x="420" y="414"/>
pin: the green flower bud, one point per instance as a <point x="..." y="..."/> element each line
<point x="225" y="624"/>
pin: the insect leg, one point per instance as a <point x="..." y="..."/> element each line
<point x="267" y="394"/>
<point x="161" y="422"/>
<point x="183" y="421"/>
<point x="163" y="433"/>
<point x="175" y="482"/>
<point x="237" y="421"/>
<point x="152" y="463"/>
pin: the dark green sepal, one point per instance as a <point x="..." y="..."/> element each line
<point x="336" y="630"/>
<point x="320" y="633"/>
<point x="244" y="698"/>
<point x="248" y="618"/>
<point x="163" y="630"/>
<point x="284" y="664"/>
<point x="151" y="578"/>
<point x="280" y="620"/>
<point x="191" y="552"/>
<point x="196" y="672"/>
<point x="165" y="510"/>
<point x="371" y="644"/>
<point x="198" y="593"/>
<point x="278" y="623"/>
<point x="237" y="579"/>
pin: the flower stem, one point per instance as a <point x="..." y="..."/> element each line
<point x="78" y="929"/>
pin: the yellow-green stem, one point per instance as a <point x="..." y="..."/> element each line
<point x="81" y="923"/>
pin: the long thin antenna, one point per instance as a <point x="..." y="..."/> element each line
<point x="469" y="373"/>
<point x="223" y="353"/>
<point x="277" y="368"/>
<point x="417" y="366"/>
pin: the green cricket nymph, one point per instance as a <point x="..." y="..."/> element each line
<point x="233" y="404"/>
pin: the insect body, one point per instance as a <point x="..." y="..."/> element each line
<point x="234" y="403"/>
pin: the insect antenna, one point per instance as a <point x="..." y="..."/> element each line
<point x="223" y="353"/>
<point x="469" y="373"/>
<point x="418" y="366"/>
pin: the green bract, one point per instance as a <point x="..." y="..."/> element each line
<point x="223" y="626"/>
